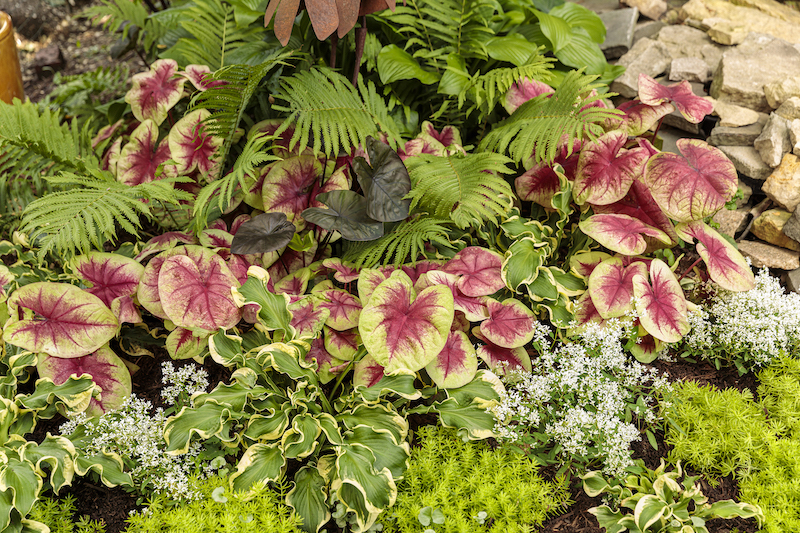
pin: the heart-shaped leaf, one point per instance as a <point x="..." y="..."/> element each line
<point x="307" y="320"/>
<point x="499" y="359"/>
<point x="474" y="308"/>
<point x="344" y="271"/>
<point x="611" y="286"/>
<point x="192" y="148"/>
<point x="263" y="233"/>
<point x="539" y="185"/>
<point x="347" y="214"/>
<point x="456" y="364"/>
<point x="586" y="312"/>
<point x="367" y="372"/>
<point x="693" y="108"/>
<point x="449" y="136"/>
<point x="155" y="92"/>
<point x="479" y="271"/>
<point x="660" y="304"/>
<point x="107" y="370"/>
<point x="385" y="182"/>
<point x="369" y="279"/>
<point x="182" y="343"/>
<point x="522" y="91"/>
<point x="58" y="319"/>
<point x="693" y="185"/>
<point x="621" y="233"/>
<point x="510" y="323"/>
<point x="163" y="242"/>
<point x="201" y="77"/>
<point x="342" y="344"/>
<point x="140" y="158"/>
<point x="639" y="117"/>
<point x="403" y="330"/>
<point x="725" y="264"/>
<point x="344" y="308"/>
<point x="326" y="362"/>
<point x="584" y="262"/>
<point x="646" y="348"/>
<point x="606" y="170"/>
<point x="111" y="277"/>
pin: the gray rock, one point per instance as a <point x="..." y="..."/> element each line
<point x="745" y="69"/>
<point x="647" y="28"/>
<point x="689" y="69"/>
<point x="684" y="41"/>
<point x="766" y="255"/>
<point x="794" y="136"/>
<point x="620" y="25"/>
<point x="645" y="57"/>
<point x="774" y="140"/>
<point x="747" y="161"/>
<point x="723" y="31"/>
<point x="742" y="136"/>
<point x="730" y="221"/>
<point x="747" y="192"/>
<point x="676" y="120"/>
<point x="734" y="116"/>
<point x="792" y="227"/>
<point x="789" y="109"/>
<point x="777" y="92"/>
<point x="652" y="9"/>
<point x="793" y="280"/>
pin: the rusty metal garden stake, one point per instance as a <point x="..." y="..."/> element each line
<point x="10" y="74"/>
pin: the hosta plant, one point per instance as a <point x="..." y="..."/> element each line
<point x="659" y="501"/>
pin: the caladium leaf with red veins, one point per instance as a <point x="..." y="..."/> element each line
<point x="449" y="135"/>
<point x="238" y="221"/>
<point x="499" y="359"/>
<point x="307" y="320"/>
<point x="112" y="278"/>
<point x="460" y="321"/>
<point x="106" y="133"/>
<point x="416" y="147"/>
<point x="326" y="363"/>
<point x="606" y="169"/>
<point x="294" y="260"/>
<point x="584" y="262"/>
<point x="510" y="323"/>
<point x="473" y="307"/>
<point x="344" y="271"/>
<point x="166" y="241"/>
<point x="142" y="155"/>
<point x="611" y="286"/>
<point x="342" y="344"/>
<point x="295" y="283"/>
<point x="639" y="117"/>
<point x="479" y="271"/>
<point x="693" y="185"/>
<point x="456" y="364"/>
<point x="585" y="311"/>
<point x="200" y="76"/>
<point x="693" y="108"/>
<point x="282" y="143"/>
<point x="192" y="148"/>
<point x="111" y="157"/>
<point x="156" y="91"/>
<point x="344" y="307"/>
<point x="108" y="371"/>
<point x="368" y="372"/>
<point x="661" y="304"/>
<point x="183" y="344"/>
<point x="195" y="290"/>
<point x="58" y="319"/>
<point x="404" y="330"/>
<point x="369" y="279"/>
<point x="538" y="185"/>
<point x="725" y="264"/>
<point x="646" y="348"/>
<point x="621" y="233"/>
<point x="522" y="91"/>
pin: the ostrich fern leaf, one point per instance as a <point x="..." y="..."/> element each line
<point x="405" y="243"/>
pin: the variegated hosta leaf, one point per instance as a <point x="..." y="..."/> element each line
<point x="510" y="323"/>
<point x="206" y="421"/>
<point x="73" y="395"/>
<point x="192" y="148"/>
<point x="621" y="233"/>
<point x="19" y="480"/>
<point x="456" y="364"/>
<point x="140" y="158"/>
<point x="273" y="312"/>
<point x="156" y="91"/>
<point x="107" y="465"/>
<point x="57" y="453"/>
<point x="611" y="286"/>
<point x="308" y="497"/>
<point x="606" y="169"/>
<point x="479" y="271"/>
<point x="260" y="462"/>
<point x="660" y="304"/>
<point x="403" y="330"/>
<point x="725" y="264"/>
<point x="362" y="488"/>
<point x="58" y="319"/>
<point x="111" y="277"/>
<point x="522" y="261"/>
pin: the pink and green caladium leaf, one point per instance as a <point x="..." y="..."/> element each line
<point x="167" y="241"/>
<point x="108" y="371"/>
<point x="510" y="323"/>
<point x="195" y="290"/>
<point x="646" y="348"/>
<point x="106" y="133"/>
<point x="725" y="264"/>
<point x="586" y="312"/>
<point x="692" y="107"/>
<point x="344" y="308"/>
<point x="583" y="263"/>
<point x="449" y="136"/>
<point x="499" y="359"/>
<point x="111" y="157"/>
<point x="403" y="330"/>
<point x="156" y="91"/>
<point x="661" y="304"/>
<point x="479" y="271"/>
<point x="326" y="363"/>
<point x="307" y="319"/>
<point x="522" y="91"/>
<point x="639" y="117"/>
<point x="342" y="344"/>
<point x="611" y="286"/>
<point x="295" y="283"/>
<point x="58" y="319"/>
<point x="474" y="308"/>
<point x="194" y="149"/>
<point x="343" y="271"/>
<point x="367" y="372"/>
<point x="369" y="279"/>
<point x="456" y="364"/>
<point x="538" y="184"/>
<point x="693" y="185"/>
<point x="182" y="343"/>
<point x="621" y="233"/>
<point x="200" y="76"/>
<point x="606" y="169"/>
<point x="140" y="158"/>
<point x="112" y="278"/>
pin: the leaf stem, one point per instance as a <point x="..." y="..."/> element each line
<point x="690" y="268"/>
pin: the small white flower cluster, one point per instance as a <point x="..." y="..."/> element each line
<point x="188" y="379"/>
<point x="756" y="325"/>
<point x="578" y="394"/>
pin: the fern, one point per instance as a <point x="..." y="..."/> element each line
<point x="331" y="115"/>
<point x="469" y="189"/>
<point x="119" y="12"/>
<point x="80" y="218"/>
<point x="539" y="126"/>
<point x="80" y="95"/>
<point x="33" y="144"/>
<point x="406" y="242"/>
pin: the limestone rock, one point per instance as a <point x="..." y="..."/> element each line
<point x="676" y="120"/>
<point x="620" y="25"/>
<point x="783" y="185"/>
<point x="768" y="226"/>
<point x="745" y="69"/>
<point x="652" y="9"/>
<point x="747" y="192"/>
<point x="684" y="41"/>
<point x="792" y="227"/>
<point x="778" y="91"/>
<point x="790" y="108"/>
<point x="766" y="255"/>
<point x="774" y="140"/>
<point x="724" y="31"/>
<point x="742" y="136"/>
<point x="747" y="161"/>
<point x="734" y="116"/>
<point x="749" y="19"/>
<point x="647" y="28"/>
<point x="645" y="57"/>
<point x="689" y="69"/>
<point x="730" y="221"/>
<point x="793" y="280"/>
<point x="794" y="136"/>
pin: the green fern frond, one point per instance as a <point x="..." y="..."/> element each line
<point x="490" y="87"/>
<point x="86" y="216"/>
<point x="117" y="13"/>
<point x="330" y="115"/>
<point x="539" y="126"/>
<point x="469" y="189"/>
<point x="405" y="243"/>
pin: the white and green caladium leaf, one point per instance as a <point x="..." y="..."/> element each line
<point x="114" y="279"/>
<point x="156" y="91"/>
<point x="58" y="453"/>
<point x="260" y="462"/>
<point x="456" y="364"/>
<point x="59" y="319"/>
<point x="403" y="330"/>
<point x="273" y="312"/>
<point x="107" y="370"/>
<point x="661" y="304"/>
<point x="308" y="497"/>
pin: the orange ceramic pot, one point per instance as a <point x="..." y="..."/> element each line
<point x="10" y="75"/>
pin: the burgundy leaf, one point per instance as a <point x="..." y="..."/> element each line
<point x="586" y="312"/>
<point x="474" y="308"/>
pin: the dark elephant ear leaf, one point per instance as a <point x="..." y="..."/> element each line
<point x="347" y="215"/>
<point x="263" y="233"/>
<point x="385" y="182"/>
